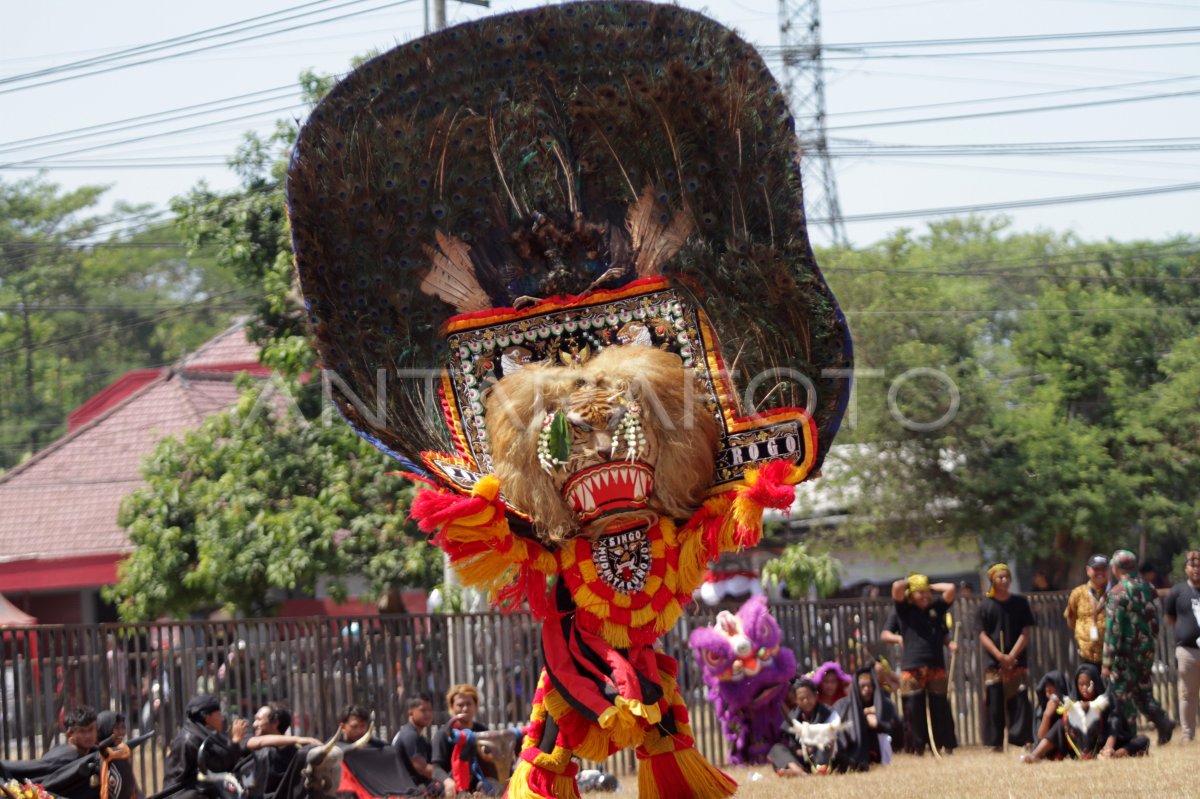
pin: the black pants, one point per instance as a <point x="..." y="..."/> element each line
<point x="916" y="725"/>
<point x="1006" y="704"/>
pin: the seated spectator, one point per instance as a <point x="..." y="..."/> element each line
<point x="271" y="749"/>
<point x="354" y="722"/>
<point x="413" y="748"/>
<point x="80" y="725"/>
<point x="454" y="749"/>
<point x="204" y="726"/>
<point x="1088" y="726"/>
<point x="1048" y="695"/>
<point x="788" y="756"/>
<point x="872" y="721"/>
<point x="110" y="725"/>
<point x="832" y="681"/>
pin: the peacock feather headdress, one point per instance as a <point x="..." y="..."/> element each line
<point x="541" y="185"/>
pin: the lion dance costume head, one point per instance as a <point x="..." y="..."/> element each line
<point x="555" y="263"/>
<point x="748" y="672"/>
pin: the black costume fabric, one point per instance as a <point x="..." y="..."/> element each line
<point x="263" y="770"/>
<point x="410" y="743"/>
<point x="61" y="755"/>
<point x="859" y="745"/>
<point x="783" y="753"/>
<point x="180" y="771"/>
<point x="378" y="770"/>
<point x="1061" y="689"/>
<point x="1112" y="724"/>
<point x="924" y="634"/>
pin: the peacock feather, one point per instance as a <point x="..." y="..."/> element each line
<point x="556" y="152"/>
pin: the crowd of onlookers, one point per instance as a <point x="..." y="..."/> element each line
<point x="261" y="753"/>
<point x="1093" y="712"/>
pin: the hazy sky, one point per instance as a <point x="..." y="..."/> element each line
<point x="867" y="93"/>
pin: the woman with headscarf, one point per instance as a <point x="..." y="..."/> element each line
<point x="203" y="727"/>
<point x="872" y="721"/>
<point x="110" y="735"/>
<point x="1104" y="734"/>
<point x="832" y="681"/>
<point x="787" y="756"/>
<point x="1048" y="694"/>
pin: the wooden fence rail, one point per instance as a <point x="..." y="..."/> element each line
<point x="318" y="665"/>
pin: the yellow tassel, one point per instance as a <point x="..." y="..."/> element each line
<point x="518" y="785"/>
<point x="616" y="634"/>
<point x="647" y="785"/>
<point x="594" y="745"/>
<point x="693" y="560"/>
<point x="705" y="780"/>
<point x="565" y="787"/>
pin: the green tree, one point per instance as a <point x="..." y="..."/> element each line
<point x="1060" y="354"/>
<point x="261" y="504"/>
<point x="79" y="306"/>
<point x="803" y="571"/>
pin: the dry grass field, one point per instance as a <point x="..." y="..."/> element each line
<point x="973" y="773"/>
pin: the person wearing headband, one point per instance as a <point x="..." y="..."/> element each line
<point x="1130" y="638"/>
<point x="928" y="720"/>
<point x="1183" y="612"/>
<point x="1005" y="629"/>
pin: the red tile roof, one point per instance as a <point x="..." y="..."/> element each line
<point x="63" y="501"/>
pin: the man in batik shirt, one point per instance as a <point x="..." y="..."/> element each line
<point x="1130" y="636"/>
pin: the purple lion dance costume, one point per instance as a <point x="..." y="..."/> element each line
<point x="748" y="673"/>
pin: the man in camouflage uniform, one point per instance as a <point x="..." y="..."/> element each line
<point x="1130" y="637"/>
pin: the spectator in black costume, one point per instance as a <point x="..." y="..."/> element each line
<point x="923" y="679"/>
<point x="1107" y="739"/>
<point x="271" y="749"/>
<point x="1005" y="631"/>
<point x="414" y="749"/>
<point x="80" y="725"/>
<point x="872" y="723"/>
<point x="1049" y="693"/>
<point x="110" y="725"/>
<point x="787" y="756"/>
<point x="204" y="727"/>
<point x="354" y="722"/>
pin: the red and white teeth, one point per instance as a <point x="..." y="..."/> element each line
<point x="607" y="487"/>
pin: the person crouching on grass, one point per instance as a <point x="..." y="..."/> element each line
<point x="787" y="756"/>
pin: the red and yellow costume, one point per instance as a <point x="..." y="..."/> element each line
<point x="604" y="687"/>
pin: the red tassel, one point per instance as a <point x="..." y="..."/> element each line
<point x="431" y="509"/>
<point x="460" y="767"/>
<point x="769" y="490"/>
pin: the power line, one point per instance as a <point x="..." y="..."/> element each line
<point x="1014" y="311"/>
<point x="1028" y="37"/>
<point x="1027" y="51"/>
<point x="1013" y="111"/>
<point x="148" y="136"/>
<point x="1025" y="96"/>
<point x="149" y="47"/>
<point x="146" y="120"/>
<point x="215" y="46"/>
<point x="184" y="308"/>
<point x="1032" y="203"/>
